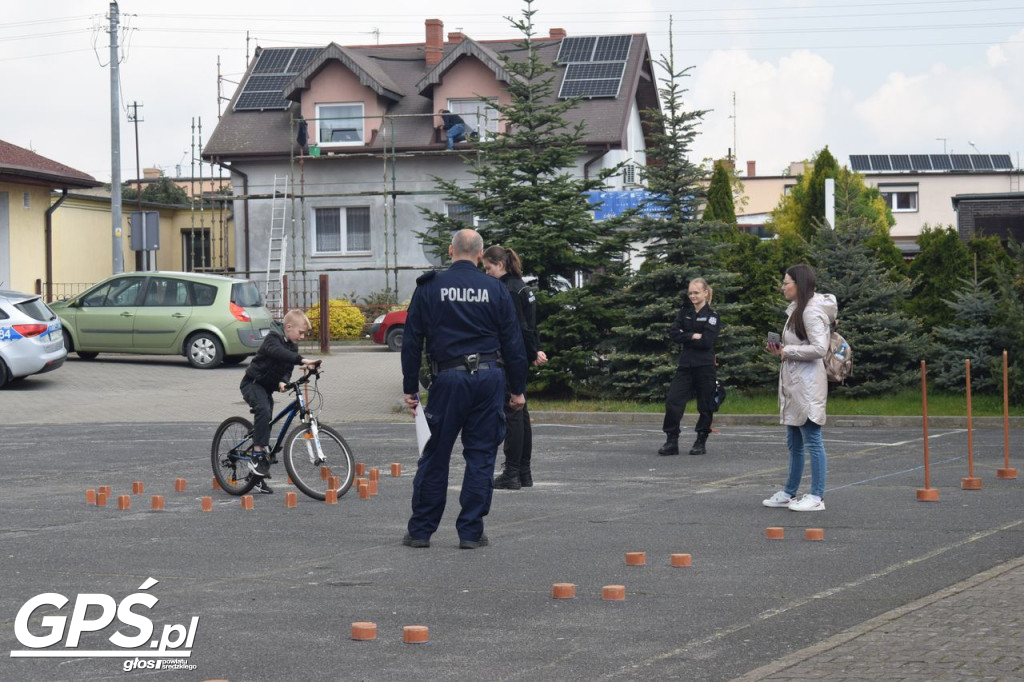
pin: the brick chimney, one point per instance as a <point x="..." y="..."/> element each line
<point x="751" y="169"/>
<point x="557" y="33"/>
<point x="456" y="37"/>
<point x="434" y="47"/>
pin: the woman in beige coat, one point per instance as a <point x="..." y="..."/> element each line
<point x="803" y="385"/>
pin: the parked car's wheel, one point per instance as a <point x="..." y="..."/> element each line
<point x="234" y="359"/>
<point x="394" y="339"/>
<point x="87" y="355"/>
<point x="69" y="345"/>
<point x="204" y="351"/>
<point x="5" y="376"/>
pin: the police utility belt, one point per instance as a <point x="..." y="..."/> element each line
<point x="468" y="363"/>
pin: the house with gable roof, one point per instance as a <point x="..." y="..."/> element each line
<point x="29" y="251"/>
<point x="333" y="151"/>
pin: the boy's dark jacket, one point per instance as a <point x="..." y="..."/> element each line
<point x="273" y="362"/>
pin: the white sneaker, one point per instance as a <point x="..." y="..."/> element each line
<point x="807" y="503"/>
<point x="779" y="499"/>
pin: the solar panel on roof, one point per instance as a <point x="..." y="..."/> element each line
<point x="273" y="83"/>
<point x="612" y="48"/>
<point x="273" y="60"/>
<point x="576" y="49"/>
<point x="961" y="162"/>
<point x="941" y="161"/>
<point x="1002" y="162"/>
<point x="302" y="57"/>
<point x="880" y="162"/>
<point x="255" y="101"/>
<point x="608" y="87"/>
<point x="920" y="162"/>
<point x="592" y="80"/>
<point x="860" y="162"/>
<point x="900" y="162"/>
<point x="274" y="69"/>
<point x="981" y="162"/>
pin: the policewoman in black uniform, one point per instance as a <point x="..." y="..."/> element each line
<point x="505" y="265"/>
<point x="468" y="322"/>
<point x="695" y="327"/>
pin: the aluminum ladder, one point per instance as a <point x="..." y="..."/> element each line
<point x="277" y="247"/>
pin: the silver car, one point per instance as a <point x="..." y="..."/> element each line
<point x="31" y="339"/>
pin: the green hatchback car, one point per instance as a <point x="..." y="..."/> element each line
<point x="210" y="319"/>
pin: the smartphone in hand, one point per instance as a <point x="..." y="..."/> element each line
<point x="773" y="339"/>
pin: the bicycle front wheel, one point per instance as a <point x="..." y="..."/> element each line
<point x="232" y="446"/>
<point x="312" y="461"/>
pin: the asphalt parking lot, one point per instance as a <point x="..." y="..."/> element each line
<point x="276" y="590"/>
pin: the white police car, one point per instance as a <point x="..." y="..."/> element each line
<point x="31" y="340"/>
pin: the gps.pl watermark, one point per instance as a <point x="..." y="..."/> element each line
<point x="58" y="636"/>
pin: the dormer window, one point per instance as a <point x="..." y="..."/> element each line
<point x="340" y="124"/>
<point x="481" y="117"/>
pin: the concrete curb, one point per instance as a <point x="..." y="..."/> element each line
<point x="655" y="419"/>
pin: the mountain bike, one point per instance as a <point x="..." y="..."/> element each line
<point x="315" y="455"/>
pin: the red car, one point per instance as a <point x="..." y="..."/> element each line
<point x="388" y="329"/>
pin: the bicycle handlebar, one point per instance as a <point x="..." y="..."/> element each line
<point x="311" y="371"/>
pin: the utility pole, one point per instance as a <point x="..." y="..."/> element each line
<point x="735" y="151"/>
<point x="117" y="263"/>
<point x="133" y="116"/>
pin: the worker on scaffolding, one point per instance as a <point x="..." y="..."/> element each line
<point x="454" y="127"/>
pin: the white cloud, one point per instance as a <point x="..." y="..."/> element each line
<point x="908" y="111"/>
<point x="781" y="107"/>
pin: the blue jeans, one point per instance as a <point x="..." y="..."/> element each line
<point x="797" y="439"/>
<point x="454" y="132"/>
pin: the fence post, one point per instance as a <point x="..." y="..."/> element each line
<point x="325" y="315"/>
<point x="284" y="295"/>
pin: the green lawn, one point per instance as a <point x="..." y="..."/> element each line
<point x="905" y="403"/>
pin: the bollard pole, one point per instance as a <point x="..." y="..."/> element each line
<point x="1007" y="471"/>
<point x="971" y="482"/>
<point x="926" y="494"/>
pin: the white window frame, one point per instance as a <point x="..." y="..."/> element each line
<point x="478" y="115"/>
<point x="326" y="120"/>
<point x="901" y="198"/>
<point x="343" y="235"/>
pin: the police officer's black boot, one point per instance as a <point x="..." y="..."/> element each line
<point x="698" y="445"/>
<point x="671" y="446"/>
<point x="508" y="479"/>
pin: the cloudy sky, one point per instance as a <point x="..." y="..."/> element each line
<point x="862" y="76"/>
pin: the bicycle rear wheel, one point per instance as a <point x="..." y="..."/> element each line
<point x="232" y="445"/>
<point x="309" y="472"/>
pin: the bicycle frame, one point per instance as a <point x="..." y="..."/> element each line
<point x="296" y="407"/>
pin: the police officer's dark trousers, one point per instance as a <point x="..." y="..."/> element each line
<point x="473" y="404"/>
<point x="689" y="382"/>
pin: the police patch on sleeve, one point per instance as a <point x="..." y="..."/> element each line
<point x="713" y="320"/>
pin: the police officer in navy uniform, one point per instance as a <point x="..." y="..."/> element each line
<point x="468" y="321"/>
<point x="695" y="328"/>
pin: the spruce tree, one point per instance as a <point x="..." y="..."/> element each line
<point x="1010" y="313"/>
<point x="825" y="167"/>
<point x="936" y="271"/>
<point x="527" y="197"/>
<point x="523" y="190"/>
<point x="886" y="342"/>
<point x="973" y="334"/>
<point x="678" y="247"/>
<point x="720" y="206"/>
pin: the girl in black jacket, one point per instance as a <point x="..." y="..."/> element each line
<point x="505" y="265"/>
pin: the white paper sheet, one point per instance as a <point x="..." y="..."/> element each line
<point x="422" y="429"/>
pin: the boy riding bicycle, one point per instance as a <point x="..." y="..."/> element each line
<point x="269" y="370"/>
